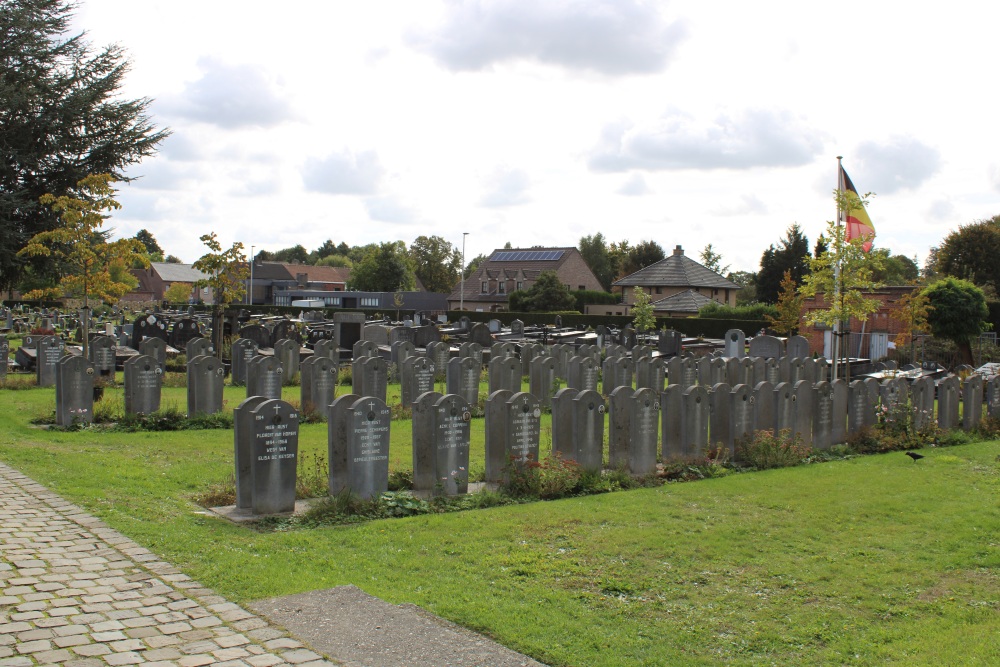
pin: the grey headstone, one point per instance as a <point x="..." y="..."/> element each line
<point x="803" y="400"/>
<point x="416" y="377"/>
<point x="480" y="333"/>
<point x="822" y="416"/>
<point x="522" y="428"/>
<point x="762" y="400"/>
<point x="694" y="421"/>
<point x="947" y="392"/>
<point x="720" y="432"/>
<point x="741" y="416"/>
<point x="143" y="382"/>
<point x="505" y="373"/>
<point x="102" y="354"/>
<point x="274" y="461"/>
<point x="463" y="378"/>
<point x="244" y="436"/>
<point x="473" y="350"/>
<point x="671" y="410"/>
<point x="4" y="355"/>
<point x="784" y="407"/>
<point x="205" y="381"/>
<point x="583" y="373"/>
<point x="841" y="399"/>
<point x="860" y="407"/>
<point x="74" y="380"/>
<point x="287" y="351"/>
<point x="735" y="344"/>
<point x="439" y="354"/>
<point x="197" y="347"/>
<point x="669" y="343"/>
<point x="155" y="347"/>
<point x="644" y="427"/>
<point x="50" y="350"/>
<point x="517" y="327"/>
<point x="327" y="347"/>
<point x="496" y="434"/>
<point x="992" y="397"/>
<point x="541" y="381"/>
<point x="562" y="423"/>
<point x="371" y="378"/>
<point x="365" y="426"/>
<point x="242" y="351"/>
<point x="650" y="373"/>
<point x="364" y="348"/>
<point x="264" y="377"/>
<point x="768" y="347"/>
<point x="972" y="401"/>
<point x="619" y="426"/>
<point x="318" y="385"/>
<point x="448" y="456"/>
<point x="617" y="372"/>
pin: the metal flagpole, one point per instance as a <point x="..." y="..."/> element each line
<point x="836" y="275"/>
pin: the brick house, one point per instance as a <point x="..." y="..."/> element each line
<point x="676" y="284"/>
<point x="869" y="339"/>
<point x="160" y="276"/>
<point x="508" y="270"/>
<point x="279" y="283"/>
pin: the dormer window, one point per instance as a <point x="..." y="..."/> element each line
<point x="486" y="287"/>
<point x="502" y="287"/>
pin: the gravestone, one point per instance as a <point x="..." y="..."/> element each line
<point x="640" y="352"/>
<point x="772" y="371"/>
<point x="439" y="354"/>
<point x="651" y="373"/>
<point x="327" y="347"/>
<point x="803" y="400"/>
<point x="860" y="407"/>
<point x="318" y="384"/>
<point x="922" y="401"/>
<point x="464" y="323"/>
<point x="668" y="343"/>
<point x="416" y="377"/>
<point x="643" y="431"/>
<point x="767" y="347"/>
<point x="377" y="334"/>
<point x="495" y="431"/>
<point x="205" y="380"/>
<point x="513" y="430"/>
<point x="371" y="378"/>
<point x="74" y="381"/>
<point x="244" y="437"/>
<point x="359" y="446"/>
<point x="671" y="407"/>
<point x="619" y="410"/>
<point x="495" y="326"/>
<point x="463" y="379"/>
<point x="762" y="404"/>
<point x="181" y="332"/>
<point x="274" y="461"/>
<point x="720" y="416"/>
<point x="822" y="416"/>
<point x="735" y="344"/>
<point x="441" y="432"/>
<point x="992" y="397"/>
<point x="797" y="347"/>
<point x="102" y="355"/>
<point x="257" y="333"/>
<point x="740" y="417"/>
<point x="155" y="347"/>
<point x="287" y="351"/>
<point x="840" y="400"/>
<point x="143" y="379"/>
<point x="364" y="348"/>
<point x="504" y="373"/>
<point x="285" y="329"/>
<point x="562" y="423"/>
<point x="617" y="372"/>
<point x="517" y="327"/>
<point x="784" y="407"/>
<point x="197" y="347"/>
<point x="4" y="355"/>
<point x="474" y="351"/>
<point x="500" y="350"/>
<point x="50" y="349"/>
<point x="147" y="326"/>
<point x="528" y="352"/>
<point x="264" y="377"/>
<point x="694" y="421"/>
<point x="242" y="351"/>
<point x="583" y="374"/>
<point x="972" y="401"/>
<point x="480" y="333"/>
<point x="542" y="379"/>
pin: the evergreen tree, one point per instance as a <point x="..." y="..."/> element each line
<point x="791" y="254"/>
<point x="595" y="252"/>
<point x="548" y="294"/>
<point x="62" y="117"/>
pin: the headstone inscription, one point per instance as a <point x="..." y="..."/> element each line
<point x="694" y="421"/>
<point x="318" y="386"/>
<point x="102" y="354"/>
<point x="143" y="382"/>
<point x="274" y="461"/>
<point x="359" y="454"/>
<point x="242" y="351"/>
<point x="643" y="431"/>
<point x="205" y="379"/>
<point x="463" y="378"/>
<point x="244" y="437"/>
<point x="50" y="350"/>
<point x="439" y="353"/>
<point x="371" y="377"/>
<point x="74" y="380"/>
<point x="416" y="377"/>
<point x="822" y="424"/>
<point x="768" y="347"/>
<point x="583" y="373"/>
<point x="441" y="429"/>
<point x="264" y="377"/>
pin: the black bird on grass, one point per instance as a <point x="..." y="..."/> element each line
<point x="914" y="456"/>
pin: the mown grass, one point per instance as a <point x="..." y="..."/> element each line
<point x="872" y="560"/>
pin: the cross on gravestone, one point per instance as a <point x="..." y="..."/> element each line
<point x="205" y="379"/>
<point x="416" y="378"/>
<point x="243" y="350"/>
<point x="370" y="377"/>
<point x="504" y="373"/>
<point x="318" y="384"/>
<point x="439" y="353"/>
<point x="473" y="350"/>
<point x="463" y="379"/>
<point x="441" y="431"/>
<point x="583" y="374"/>
<point x="274" y="457"/>
<point x="359" y="446"/>
<point x="143" y="380"/>
<point x="74" y="381"/>
<point x="264" y="377"/>
<point x="513" y="429"/>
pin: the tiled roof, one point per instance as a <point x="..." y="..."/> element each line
<point x="676" y="270"/>
<point x="688" y="301"/>
<point x="530" y="269"/>
<point x="177" y="273"/>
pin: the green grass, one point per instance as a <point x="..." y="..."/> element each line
<point x="872" y="560"/>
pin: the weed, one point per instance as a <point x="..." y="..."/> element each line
<point x="313" y="477"/>
<point x="767" y="449"/>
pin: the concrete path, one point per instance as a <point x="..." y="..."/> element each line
<point x="76" y="593"/>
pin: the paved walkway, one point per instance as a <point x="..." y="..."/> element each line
<point x="76" y="593"/>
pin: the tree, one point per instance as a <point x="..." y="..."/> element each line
<point x="385" y="268"/>
<point x="473" y="265"/>
<point x="62" y="117"/>
<point x="547" y="294"/>
<point x="595" y="252"/>
<point x="640" y="256"/>
<point x="844" y="273"/>
<point x="789" y="308"/>
<point x="172" y="259"/>
<point x="642" y="309"/>
<point x="911" y="314"/>
<point x="713" y="260"/>
<point x="177" y="293"/>
<point x="91" y="266"/>
<point x="748" y="281"/>
<point x="325" y="250"/>
<point x="896" y="269"/>
<point x="227" y="272"/>
<point x="297" y="254"/>
<point x="791" y="254"/>
<point x="336" y="260"/>
<point x="971" y="253"/>
<point x="958" y="313"/>
<point x="153" y="249"/>
<point x="436" y="263"/>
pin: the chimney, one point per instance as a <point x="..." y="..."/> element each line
<point x="678" y="250"/>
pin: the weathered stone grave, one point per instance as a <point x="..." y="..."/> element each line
<point x="264" y="377"/>
<point x="274" y="458"/>
<point x="318" y="384"/>
<point x="143" y="380"/>
<point x="513" y="430"/>
<point x="441" y="431"/>
<point x="74" y="381"/>
<point x="50" y="349"/>
<point x="463" y="378"/>
<point x="205" y="380"/>
<point x="359" y="445"/>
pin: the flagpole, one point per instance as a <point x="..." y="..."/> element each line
<point x="836" y="275"/>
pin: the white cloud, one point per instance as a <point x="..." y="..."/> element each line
<point x="506" y="187"/>
<point x="895" y="164"/>
<point x="610" y="37"/>
<point x="634" y="186"/>
<point x="676" y="140"/>
<point x="748" y="205"/>
<point x="231" y="97"/>
<point x="993" y="173"/>
<point x="345" y="173"/>
<point x="388" y="209"/>
<point x="942" y="209"/>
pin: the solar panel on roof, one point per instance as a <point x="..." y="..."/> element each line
<point x="526" y="255"/>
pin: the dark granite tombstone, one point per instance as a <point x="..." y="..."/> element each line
<point x="74" y="381"/>
<point x="101" y="351"/>
<point x="242" y="351"/>
<point x="274" y="460"/>
<point x="147" y="326"/>
<point x="318" y="385"/>
<point x="182" y="331"/>
<point x="359" y="450"/>
<point x="480" y="333"/>
<point x="244" y="436"/>
<point x="258" y="334"/>
<point x="285" y="329"/>
<point x="441" y="430"/>
<point x="264" y="377"/>
<point x="143" y="379"/>
<point x="416" y="377"/>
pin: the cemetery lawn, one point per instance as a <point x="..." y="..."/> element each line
<point x="871" y="560"/>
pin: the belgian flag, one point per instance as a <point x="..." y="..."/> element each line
<point x="859" y="225"/>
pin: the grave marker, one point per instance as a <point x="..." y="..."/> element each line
<point x="275" y="457"/>
<point x="143" y="379"/>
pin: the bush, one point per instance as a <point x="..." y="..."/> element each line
<point x="552" y="477"/>
<point x="767" y="449"/>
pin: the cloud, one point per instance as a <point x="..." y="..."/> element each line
<point x="634" y="186"/>
<point x="993" y="173"/>
<point x="676" y="140"/>
<point x="941" y="209"/>
<point x="388" y="209"/>
<point x="230" y="96"/>
<point x="610" y="37"/>
<point x="898" y="163"/>
<point x="748" y="205"/>
<point x="506" y="187"/>
<point x="344" y="173"/>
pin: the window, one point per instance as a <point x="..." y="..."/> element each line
<point x="371" y="301"/>
<point x="332" y="301"/>
<point x="502" y="287"/>
<point x="486" y="287"/>
<point x="520" y="285"/>
<point x="581" y="287"/>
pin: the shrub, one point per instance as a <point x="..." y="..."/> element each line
<point x="552" y="477"/>
<point x="767" y="449"/>
<point x="313" y="477"/>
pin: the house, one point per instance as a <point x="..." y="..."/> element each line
<point x="278" y="283"/>
<point x="678" y="286"/>
<point x="509" y="269"/>
<point x="870" y="339"/>
<point x="160" y="276"/>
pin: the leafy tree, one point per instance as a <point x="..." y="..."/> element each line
<point x="336" y="260"/>
<point x="911" y="312"/>
<point x="646" y="253"/>
<point x="93" y="267"/>
<point x="547" y="294"/>
<point x="297" y="254"/>
<point x="177" y="293"/>
<point x="473" y="265"/>
<point x="958" y="313"/>
<point x="713" y="260"/>
<point x="748" y="281"/>
<point x="385" y="268"/>
<point x="227" y="272"/>
<point x="844" y="273"/>
<point x="172" y="259"/>
<point x="971" y="253"/>
<point x="327" y="249"/>
<point x="599" y="259"/>
<point x="896" y="269"/>
<point x="153" y="249"/>
<point x="642" y="309"/>
<point x="62" y="117"/>
<point x="821" y="246"/>
<point x="789" y="308"/>
<point x="791" y="254"/>
<point x="436" y="263"/>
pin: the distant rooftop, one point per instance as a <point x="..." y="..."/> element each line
<point x="525" y="255"/>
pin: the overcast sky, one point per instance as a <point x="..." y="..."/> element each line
<point x="542" y="122"/>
